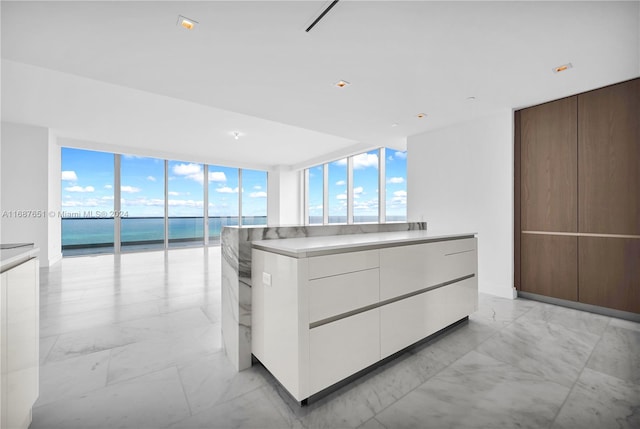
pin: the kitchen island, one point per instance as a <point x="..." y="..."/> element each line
<point x="326" y="308"/>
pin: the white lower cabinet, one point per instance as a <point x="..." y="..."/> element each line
<point x="320" y="319"/>
<point x="342" y="348"/>
<point x="20" y="344"/>
<point x="425" y="314"/>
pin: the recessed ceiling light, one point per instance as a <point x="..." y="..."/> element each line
<point x="395" y="124"/>
<point x="421" y="115"/>
<point x="472" y="98"/>
<point x="186" y="23"/>
<point x="342" y="84"/>
<point x="236" y="135"/>
<point x="562" y="68"/>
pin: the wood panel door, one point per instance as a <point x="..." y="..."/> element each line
<point x="549" y="163"/>
<point x="609" y="272"/>
<point x="609" y="159"/>
<point x="550" y="265"/>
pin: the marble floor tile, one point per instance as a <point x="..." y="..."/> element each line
<point x="600" y="401"/>
<point x="575" y="320"/>
<point x="458" y="341"/>
<point x="627" y="324"/>
<point x="87" y="341"/>
<point x="249" y="411"/>
<point x="618" y="354"/>
<point x="152" y="401"/>
<point x="46" y="344"/>
<point x="478" y="391"/>
<point x="73" y="377"/>
<point x="500" y="312"/>
<point x="543" y="348"/>
<point x="143" y="357"/>
<point x="372" y="424"/>
<point x="212" y="379"/>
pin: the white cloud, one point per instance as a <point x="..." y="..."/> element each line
<point x="174" y="193"/>
<point x="399" y="198"/>
<point x="258" y="187"/>
<point x="365" y="160"/>
<point x="69" y="176"/>
<point x="227" y="190"/>
<point x="108" y="187"/>
<point x="341" y="183"/>
<point x="185" y="203"/>
<point x="79" y="189"/>
<point x="142" y="201"/>
<point x="187" y="169"/>
<point x="151" y="178"/>
<point x="390" y="158"/>
<point x="129" y="189"/>
<point x="260" y="194"/>
<point x="396" y="180"/>
<point x="341" y="196"/>
<point x="401" y="155"/>
<point x="107" y="198"/>
<point x="217" y="176"/>
<point x="190" y="171"/>
<point x="358" y="190"/>
<point x="341" y="162"/>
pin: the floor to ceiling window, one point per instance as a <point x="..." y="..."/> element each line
<point x="156" y="196"/>
<point x="396" y="185"/>
<point x="254" y="197"/>
<point x="142" y="203"/>
<point x="365" y="201"/>
<point x="186" y="203"/>
<point x="337" y="202"/>
<point x="87" y="201"/>
<point x="365" y="187"/>
<point x="223" y="199"/>
<point x="315" y="194"/>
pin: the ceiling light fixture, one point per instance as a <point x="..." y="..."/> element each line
<point x="395" y="124"/>
<point x="236" y="135"/>
<point x="472" y="98"/>
<point x="562" y="68"/>
<point x="186" y="23"/>
<point x="342" y="84"/>
<point x="421" y="115"/>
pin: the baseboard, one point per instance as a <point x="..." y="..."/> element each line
<point x="604" y="311"/>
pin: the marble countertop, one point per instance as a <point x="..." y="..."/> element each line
<point x="316" y="246"/>
<point x="16" y="254"/>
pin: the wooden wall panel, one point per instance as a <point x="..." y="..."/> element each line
<point x="549" y="166"/>
<point x="609" y="159"/>
<point x="609" y="272"/>
<point x="516" y="202"/>
<point x="550" y="265"/>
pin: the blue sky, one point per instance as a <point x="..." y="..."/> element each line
<point x="365" y="186"/>
<point x="87" y="185"/>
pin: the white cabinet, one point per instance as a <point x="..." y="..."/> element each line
<point x="320" y="319"/>
<point x="19" y="337"/>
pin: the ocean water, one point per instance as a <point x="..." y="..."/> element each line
<point x="91" y="232"/>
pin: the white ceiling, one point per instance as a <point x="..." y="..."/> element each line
<point x="122" y="73"/>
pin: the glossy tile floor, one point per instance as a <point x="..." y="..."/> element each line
<point x="134" y="342"/>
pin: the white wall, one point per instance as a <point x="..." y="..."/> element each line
<point x="25" y="187"/>
<point x="55" y="198"/>
<point x="284" y="197"/>
<point x="460" y="178"/>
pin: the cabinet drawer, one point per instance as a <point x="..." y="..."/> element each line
<point x="407" y="321"/>
<point x="331" y="296"/>
<point x="406" y="269"/>
<point x="342" y="348"/>
<point x="342" y="263"/>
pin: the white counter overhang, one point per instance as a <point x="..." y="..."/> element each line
<point x="326" y="245"/>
